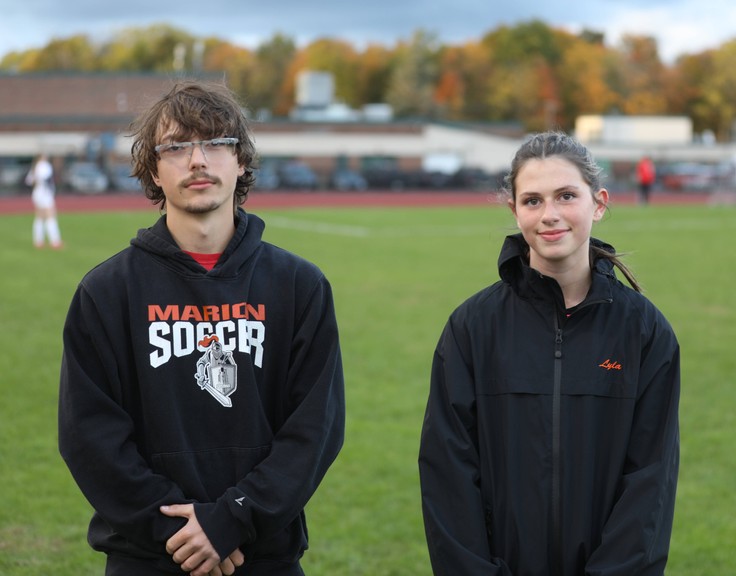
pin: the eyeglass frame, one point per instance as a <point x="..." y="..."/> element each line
<point x="228" y="141"/>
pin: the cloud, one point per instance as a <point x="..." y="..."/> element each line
<point x="678" y="25"/>
<point x="681" y="27"/>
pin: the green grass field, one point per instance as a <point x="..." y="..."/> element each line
<point x="397" y="274"/>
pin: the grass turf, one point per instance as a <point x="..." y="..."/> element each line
<point x="397" y="274"/>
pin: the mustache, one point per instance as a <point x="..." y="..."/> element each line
<point x="196" y="176"/>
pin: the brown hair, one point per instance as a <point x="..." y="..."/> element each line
<point x="553" y="143"/>
<point x="207" y="110"/>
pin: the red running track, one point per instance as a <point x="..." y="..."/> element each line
<point x="21" y="204"/>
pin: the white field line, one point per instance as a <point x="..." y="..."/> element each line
<point x="366" y="232"/>
<point x="318" y="227"/>
<point x="682" y="224"/>
<point x="430" y="231"/>
<point x="354" y="231"/>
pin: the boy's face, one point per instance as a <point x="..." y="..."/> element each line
<point x="196" y="182"/>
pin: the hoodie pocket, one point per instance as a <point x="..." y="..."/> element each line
<point x="204" y="475"/>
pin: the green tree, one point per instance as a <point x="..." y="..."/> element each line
<point x="272" y="61"/>
<point x="524" y="42"/>
<point x="583" y="78"/>
<point x="75" y="53"/>
<point x="414" y="77"/>
<point x="373" y="71"/>
<point x="685" y="89"/>
<point x="237" y="63"/>
<point x="157" y="48"/>
<point x="718" y="99"/>
<point x="643" y="74"/>
<point x="464" y="82"/>
<point x="523" y="76"/>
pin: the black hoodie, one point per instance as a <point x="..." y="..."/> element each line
<point x="550" y="442"/>
<point x="222" y="388"/>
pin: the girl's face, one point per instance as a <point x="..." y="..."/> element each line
<point x="555" y="211"/>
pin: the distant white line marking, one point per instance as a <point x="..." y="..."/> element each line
<point x="676" y="224"/>
<point x="365" y="232"/>
<point x="319" y="227"/>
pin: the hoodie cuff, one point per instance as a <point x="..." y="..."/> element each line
<point x="224" y="531"/>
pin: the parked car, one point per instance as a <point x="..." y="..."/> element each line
<point x="13" y="174"/>
<point x="475" y="179"/>
<point x="297" y="175"/>
<point x="266" y="178"/>
<point x="86" y="178"/>
<point x="344" y="179"/>
<point x="121" y="179"/>
<point x="389" y="178"/>
<point x="687" y="176"/>
<point x="432" y="179"/>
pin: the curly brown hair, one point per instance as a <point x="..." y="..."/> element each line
<point x="195" y="108"/>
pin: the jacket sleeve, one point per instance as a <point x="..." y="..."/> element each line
<point x="449" y="467"/>
<point x="276" y="491"/>
<point x="637" y="534"/>
<point x="96" y="435"/>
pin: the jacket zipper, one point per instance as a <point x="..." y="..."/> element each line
<point x="557" y="556"/>
<point x="556" y="458"/>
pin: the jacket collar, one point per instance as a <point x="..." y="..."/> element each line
<point x="514" y="269"/>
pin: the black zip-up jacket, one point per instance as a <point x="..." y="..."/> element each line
<point x="221" y="388"/>
<point x="550" y="443"/>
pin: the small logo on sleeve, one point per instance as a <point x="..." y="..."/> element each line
<point x="610" y="365"/>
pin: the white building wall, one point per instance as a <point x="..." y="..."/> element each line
<point x="306" y="144"/>
<point x="634" y="130"/>
<point x="474" y="149"/>
<point x="492" y="153"/>
<point x="52" y="143"/>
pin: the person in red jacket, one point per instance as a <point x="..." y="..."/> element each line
<point x="646" y="174"/>
<point x="550" y="442"/>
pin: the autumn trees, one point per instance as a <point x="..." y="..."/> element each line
<point x="530" y="73"/>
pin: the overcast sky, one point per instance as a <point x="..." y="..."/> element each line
<point x="680" y="26"/>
